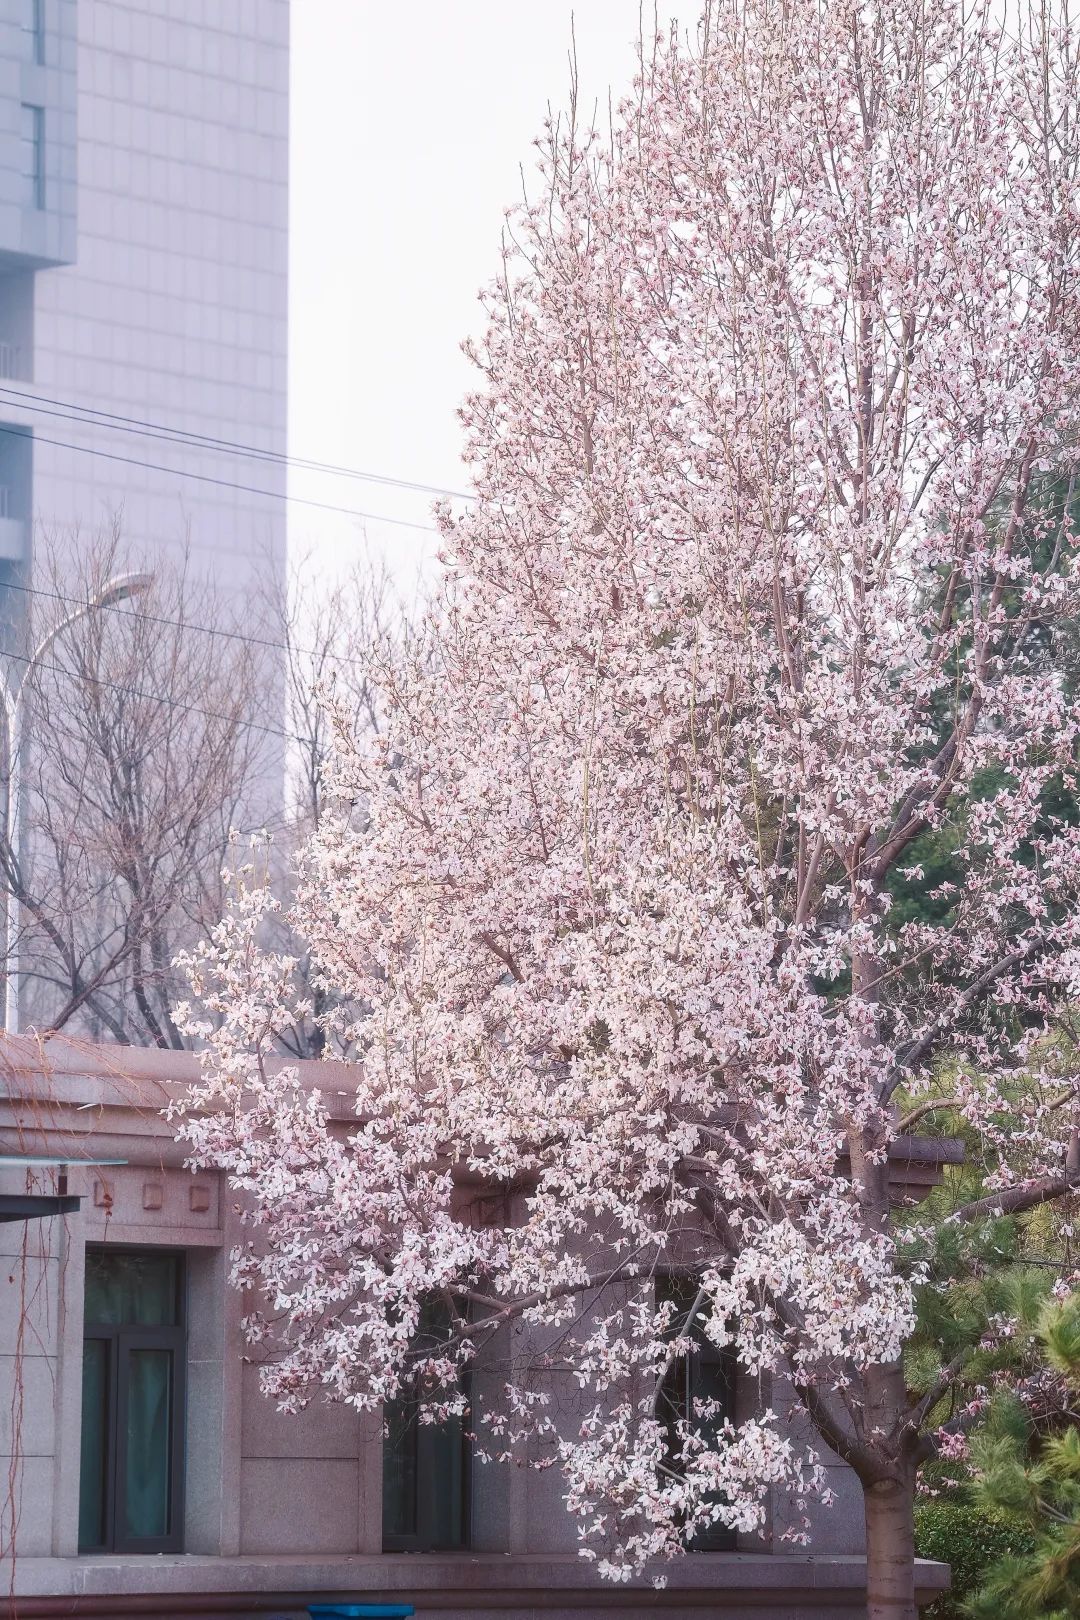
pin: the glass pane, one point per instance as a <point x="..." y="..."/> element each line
<point x="692" y="1384"/>
<point x="440" y="1453"/>
<point x="149" y="1402"/>
<point x="130" y="1290"/>
<point x="712" y="1380"/>
<point x="399" y="1470"/>
<point x="680" y="1291"/>
<point x="33" y="28"/>
<point x="95" y="1400"/>
<point x="674" y="1403"/>
<point x="711" y="1383"/>
<point x="32" y="155"/>
<point x="422" y="1462"/>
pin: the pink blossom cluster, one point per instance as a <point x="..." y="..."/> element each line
<point x="774" y="453"/>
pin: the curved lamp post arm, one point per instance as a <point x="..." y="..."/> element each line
<point x="117" y="589"/>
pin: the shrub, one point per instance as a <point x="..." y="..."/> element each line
<point x="971" y="1541"/>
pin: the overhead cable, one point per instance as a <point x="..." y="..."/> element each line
<point x="220" y="483"/>
<point x="93" y="416"/>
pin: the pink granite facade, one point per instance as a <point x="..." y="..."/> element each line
<point x="276" y="1510"/>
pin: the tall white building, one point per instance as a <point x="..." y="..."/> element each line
<point x="143" y="277"/>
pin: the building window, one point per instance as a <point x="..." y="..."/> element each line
<point x="425" y="1469"/>
<point x="133" y="1402"/>
<point x="32" y="164"/>
<point x="33" y="29"/>
<point x="704" y="1378"/>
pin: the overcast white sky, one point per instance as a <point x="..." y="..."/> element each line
<point x="409" y="126"/>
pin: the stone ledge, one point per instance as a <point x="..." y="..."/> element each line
<point x="200" y="1585"/>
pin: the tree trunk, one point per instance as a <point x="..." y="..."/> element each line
<point x="890" y="1549"/>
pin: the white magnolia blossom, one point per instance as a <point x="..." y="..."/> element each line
<point x="766" y="604"/>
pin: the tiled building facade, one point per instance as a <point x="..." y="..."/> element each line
<point x="143" y="277"/>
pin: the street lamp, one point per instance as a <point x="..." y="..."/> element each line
<point x="113" y="591"/>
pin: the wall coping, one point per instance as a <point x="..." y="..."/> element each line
<point x="61" y="1071"/>
<point x="386" y="1574"/>
<point x="37" y="1052"/>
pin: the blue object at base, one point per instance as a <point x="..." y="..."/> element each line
<point x="360" y="1611"/>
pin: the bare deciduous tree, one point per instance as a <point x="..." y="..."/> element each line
<point x="146" y="743"/>
<point x="154" y="731"/>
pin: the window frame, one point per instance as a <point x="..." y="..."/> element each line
<point x="685" y="1370"/>
<point x="120" y="1340"/>
<point x="423" y="1440"/>
<point x="33" y="27"/>
<point x="35" y="174"/>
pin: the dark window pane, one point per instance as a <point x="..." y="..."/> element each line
<point x="675" y="1401"/>
<point x="131" y="1290"/>
<point x="95" y="1409"/>
<point x="693" y="1382"/>
<point x="712" y="1384"/>
<point x="399" y="1470"/>
<point x="423" y="1480"/>
<point x="148" y="1442"/>
<point x="133" y="1402"/>
<point x="680" y="1292"/>
<point x="424" y="1463"/>
<point x="441" y="1456"/>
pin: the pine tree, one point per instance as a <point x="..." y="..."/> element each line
<point x="1035" y="1481"/>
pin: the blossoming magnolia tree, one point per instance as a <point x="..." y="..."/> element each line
<point x="770" y="556"/>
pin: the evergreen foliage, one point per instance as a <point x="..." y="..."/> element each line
<point x="970" y="1541"/>
<point x="1033" y="1482"/>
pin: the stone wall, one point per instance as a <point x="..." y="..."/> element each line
<point x="276" y="1507"/>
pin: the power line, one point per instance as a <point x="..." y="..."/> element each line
<point x="178" y="624"/>
<point x="154" y="697"/>
<point x="221" y="483"/>
<point x="182" y="624"/>
<point x="92" y="416"/>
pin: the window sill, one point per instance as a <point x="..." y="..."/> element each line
<point x="432" y="1576"/>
